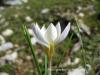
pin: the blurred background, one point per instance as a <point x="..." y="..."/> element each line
<point x="15" y="55"/>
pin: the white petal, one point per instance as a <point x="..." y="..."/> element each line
<point x="39" y="36"/>
<point x="64" y="33"/>
<point x="58" y="27"/>
<point x="43" y="30"/>
<point x="51" y="33"/>
<point x="43" y="43"/>
<point x="37" y="26"/>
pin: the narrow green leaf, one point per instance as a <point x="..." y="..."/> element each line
<point x="32" y="49"/>
<point x="81" y="41"/>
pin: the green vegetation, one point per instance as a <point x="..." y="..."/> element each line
<point x="57" y="10"/>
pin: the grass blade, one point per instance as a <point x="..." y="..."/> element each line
<point x="32" y="49"/>
<point x="81" y="41"/>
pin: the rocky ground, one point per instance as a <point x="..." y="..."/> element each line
<point x="15" y="54"/>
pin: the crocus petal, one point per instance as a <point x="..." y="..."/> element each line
<point x="37" y="26"/>
<point x="64" y="33"/>
<point x="51" y="33"/>
<point x="58" y="27"/>
<point x="43" y="30"/>
<point x="34" y="26"/>
<point x="39" y="36"/>
<point x="41" y="42"/>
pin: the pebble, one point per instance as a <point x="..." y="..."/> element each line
<point x="79" y="8"/>
<point x="77" y="71"/>
<point x="76" y="61"/>
<point x="68" y="62"/>
<point x="2" y="39"/>
<point x="76" y="47"/>
<point x="0" y="15"/>
<point x="28" y="57"/>
<point x="45" y="10"/>
<point x="7" y="32"/>
<point x="3" y="73"/>
<point x="28" y="19"/>
<point x="2" y="8"/>
<point x="6" y="46"/>
<point x="11" y="57"/>
<point x="40" y="60"/>
<point x="81" y="14"/>
<point x="6" y="24"/>
<point x="84" y="27"/>
<point x="30" y="31"/>
<point x="25" y="1"/>
<point x="2" y="20"/>
<point x="16" y="15"/>
<point x="13" y="2"/>
<point x="28" y="7"/>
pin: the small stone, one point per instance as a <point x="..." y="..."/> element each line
<point x="45" y="10"/>
<point x="66" y="63"/>
<point x="84" y="27"/>
<point x="11" y="57"/>
<point x="76" y="47"/>
<point x="77" y="71"/>
<point x="40" y="60"/>
<point x="2" y="20"/>
<point x="79" y="8"/>
<point x="19" y="61"/>
<point x="69" y="62"/>
<point x="81" y="14"/>
<point x="13" y="2"/>
<point x="30" y="31"/>
<point x="28" y="57"/>
<point x="28" y="7"/>
<point x="16" y="15"/>
<point x="28" y="19"/>
<point x="89" y="67"/>
<point x="6" y="24"/>
<point x="7" y="32"/>
<point x="16" y="45"/>
<point x="0" y="15"/>
<point x="2" y="8"/>
<point x="3" y="73"/>
<point x="6" y="46"/>
<point x="76" y="61"/>
<point x="2" y="39"/>
<point x="25" y="1"/>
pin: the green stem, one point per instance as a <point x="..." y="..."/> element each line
<point x="46" y="65"/>
<point x="50" y="68"/>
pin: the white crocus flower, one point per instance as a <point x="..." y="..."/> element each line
<point x="51" y="36"/>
